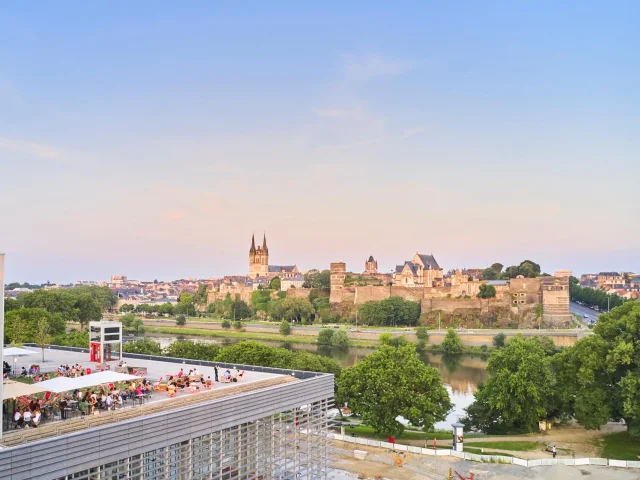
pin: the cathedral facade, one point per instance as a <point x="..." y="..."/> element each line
<point x="259" y="263"/>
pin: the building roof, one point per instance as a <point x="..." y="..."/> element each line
<point x="371" y="259"/>
<point x="429" y="261"/>
<point x="281" y="268"/>
<point x="609" y="274"/>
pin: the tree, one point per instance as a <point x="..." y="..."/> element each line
<point x="275" y="284"/>
<point x="486" y="291"/>
<point x="127" y="320"/>
<point x="340" y="339"/>
<point x="126" y="307"/>
<point x="226" y="324"/>
<point x="452" y="345"/>
<point x="192" y="350"/>
<point x="181" y="320"/>
<point x="200" y="298"/>
<point x="391" y="311"/>
<point x="511" y="272"/>
<point x="529" y="269"/>
<point x="88" y="309"/>
<point x="166" y="309"/>
<point x="237" y="325"/>
<point x="497" y="267"/>
<point x="398" y="341"/>
<point x="499" y="340"/>
<point x="11" y="304"/>
<point x="185" y="309"/>
<point x="185" y="297"/>
<point x="394" y="382"/>
<point x="42" y="337"/>
<point x="422" y="333"/>
<point x="240" y="310"/>
<point x="598" y="379"/>
<point x="324" y="336"/>
<point x="144" y="346"/>
<point x="316" y="279"/>
<point x="385" y="338"/>
<point x="260" y="300"/>
<point x="138" y="326"/>
<point x="490" y="274"/>
<point x="285" y="328"/>
<point x="519" y="390"/>
<point x="21" y="325"/>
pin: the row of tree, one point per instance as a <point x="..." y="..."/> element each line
<point x="246" y="353"/>
<point x="392" y="311"/>
<point x="595" y="381"/>
<point x="593" y="297"/>
<point x="527" y="269"/>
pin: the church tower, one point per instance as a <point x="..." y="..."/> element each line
<point x="258" y="258"/>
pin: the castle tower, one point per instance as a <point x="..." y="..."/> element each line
<point x="338" y="272"/>
<point x="258" y="259"/>
<point x="370" y="266"/>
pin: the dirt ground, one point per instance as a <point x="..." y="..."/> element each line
<point x="572" y="441"/>
<point x="381" y="463"/>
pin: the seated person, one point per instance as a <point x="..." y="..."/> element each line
<point x="23" y="372"/>
<point x="209" y="383"/>
<point x="27" y="416"/>
<point x="18" y="419"/>
<point x="181" y="373"/>
<point x="171" y="389"/>
<point x="227" y="376"/>
<point x="64" y="405"/>
<point x="108" y="402"/>
<point x="119" y="401"/>
<point x="45" y="376"/>
<point x="92" y="404"/>
<point x="35" y="421"/>
<point x="139" y="390"/>
<point x="34" y="404"/>
<point x="84" y="408"/>
<point x="195" y="372"/>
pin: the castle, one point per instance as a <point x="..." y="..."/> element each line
<point x="259" y="263"/>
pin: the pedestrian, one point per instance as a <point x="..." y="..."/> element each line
<point x="553" y="450"/>
<point x="215" y="373"/>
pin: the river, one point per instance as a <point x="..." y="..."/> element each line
<point x="461" y="375"/>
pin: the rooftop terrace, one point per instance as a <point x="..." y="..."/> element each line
<point x="159" y="402"/>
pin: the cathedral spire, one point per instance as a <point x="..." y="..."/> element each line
<point x="264" y="244"/>
<point x="253" y="244"/>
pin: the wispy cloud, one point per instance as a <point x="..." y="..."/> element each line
<point x="410" y="132"/>
<point x="371" y="66"/>
<point x="355" y="113"/>
<point x="31" y="148"/>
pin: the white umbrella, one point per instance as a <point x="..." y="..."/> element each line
<point x="57" y="385"/>
<point x="16" y="352"/>
<point x="18" y="389"/>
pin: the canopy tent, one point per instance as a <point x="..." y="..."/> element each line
<point x="16" y="352"/>
<point x="66" y="384"/>
<point x="18" y="389"/>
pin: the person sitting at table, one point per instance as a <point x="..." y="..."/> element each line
<point x="93" y="401"/>
<point x="181" y="373"/>
<point x="118" y="400"/>
<point x="36" y="378"/>
<point x="45" y="376"/>
<point x="102" y="400"/>
<point x="64" y="404"/>
<point x="126" y="394"/>
<point x="27" y="416"/>
<point x="171" y="380"/>
<point x="18" y="419"/>
<point x="108" y="402"/>
<point x="208" y="383"/>
<point x="132" y="389"/>
<point x="195" y="371"/>
<point x="37" y="416"/>
<point x="171" y="389"/>
<point x="23" y="372"/>
<point x="227" y="376"/>
<point x="190" y="373"/>
<point x="139" y="390"/>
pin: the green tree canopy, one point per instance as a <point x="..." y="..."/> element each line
<point x="317" y="279"/>
<point x="392" y="382"/>
<point x="144" y="346"/>
<point x="499" y="340"/>
<point x="486" y="291"/>
<point x="260" y="300"/>
<point x="240" y="310"/>
<point x="200" y="297"/>
<point x="598" y="378"/>
<point x="519" y="392"/>
<point x="285" y="328"/>
<point x="422" y="333"/>
<point x="275" y="284"/>
<point x="390" y="311"/>
<point x="11" y="304"/>
<point x="193" y="350"/>
<point x="22" y="325"/>
<point x="324" y="336"/>
<point x="126" y="307"/>
<point x="452" y="345"/>
<point x="181" y="320"/>
<point x="340" y="338"/>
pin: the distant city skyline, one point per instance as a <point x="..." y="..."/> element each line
<point x="151" y="140"/>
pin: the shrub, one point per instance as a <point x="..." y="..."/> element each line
<point x="385" y="338"/>
<point x="285" y="328"/>
<point x="324" y="336"/>
<point x="452" y="345"/>
<point x="340" y="339"/>
<point x="145" y="346"/>
<point x="398" y="341"/>
<point x="422" y="333"/>
<point x="237" y="325"/>
<point x="225" y="324"/>
<point x="499" y="340"/>
<point x="181" y="320"/>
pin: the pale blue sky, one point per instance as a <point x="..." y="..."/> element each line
<point x="150" y="139"/>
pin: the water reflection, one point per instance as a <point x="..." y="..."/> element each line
<point x="461" y="374"/>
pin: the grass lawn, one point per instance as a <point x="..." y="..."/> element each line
<point x="620" y="446"/>
<point x="513" y="446"/>
<point x="367" y="432"/>
<point x="245" y="335"/>
<point x="478" y="451"/>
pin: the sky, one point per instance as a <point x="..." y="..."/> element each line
<point x="151" y="139"/>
